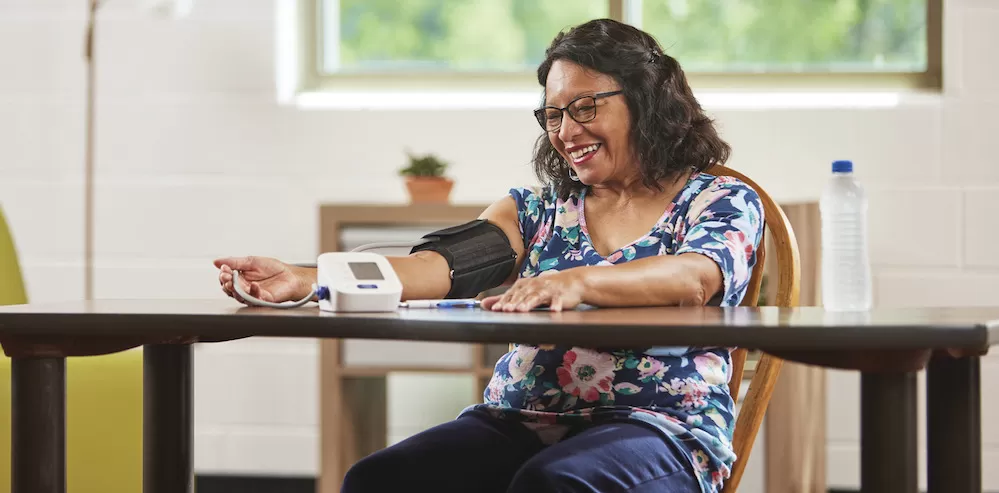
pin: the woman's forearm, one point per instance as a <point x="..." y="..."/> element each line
<point x="686" y="280"/>
<point x="424" y="275"/>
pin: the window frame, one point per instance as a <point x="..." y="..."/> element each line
<point x="306" y="74"/>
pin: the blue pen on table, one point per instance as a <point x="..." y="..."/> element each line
<point x="440" y="304"/>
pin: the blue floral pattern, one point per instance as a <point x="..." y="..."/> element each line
<point x="681" y="391"/>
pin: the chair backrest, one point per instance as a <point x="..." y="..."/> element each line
<point x="11" y="283"/>
<point x="788" y="275"/>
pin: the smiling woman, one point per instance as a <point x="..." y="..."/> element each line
<point x="670" y="132"/>
<point x="627" y="216"/>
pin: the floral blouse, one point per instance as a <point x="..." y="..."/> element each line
<point x="681" y="391"/>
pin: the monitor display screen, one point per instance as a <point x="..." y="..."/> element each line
<point x="366" y="271"/>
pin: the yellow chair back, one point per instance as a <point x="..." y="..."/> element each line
<point x="11" y="282"/>
<point x="103" y="405"/>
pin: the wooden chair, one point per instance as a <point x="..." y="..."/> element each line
<point x="787" y="279"/>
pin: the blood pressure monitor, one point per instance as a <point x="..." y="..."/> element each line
<point x="357" y="282"/>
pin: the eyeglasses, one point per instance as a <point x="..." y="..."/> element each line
<point x="581" y="109"/>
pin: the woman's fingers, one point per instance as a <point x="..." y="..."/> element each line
<point x="526" y="295"/>
<point x="529" y="299"/>
<point x="237" y="263"/>
<point x="513" y="298"/>
<point x="259" y="293"/>
<point x="502" y="299"/>
<point x="516" y="298"/>
<point x="227" y="287"/>
<point x="244" y="285"/>
<point x="225" y="279"/>
<point x="521" y="290"/>
<point x="555" y="304"/>
<point x="228" y="277"/>
<point x="243" y="282"/>
<point x="533" y="300"/>
<point x="490" y="301"/>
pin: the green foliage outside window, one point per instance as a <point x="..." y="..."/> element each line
<point x="705" y="35"/>
<point x="791" y="35"/>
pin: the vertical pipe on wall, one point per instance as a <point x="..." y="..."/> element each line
<point x="88" y="167"/>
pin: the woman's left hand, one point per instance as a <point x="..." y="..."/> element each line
<point x="560" y="291"/>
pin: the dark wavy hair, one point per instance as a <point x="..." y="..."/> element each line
<point x="669" y="131"/>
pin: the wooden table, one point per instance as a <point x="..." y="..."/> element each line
<point x="895" y="343"/>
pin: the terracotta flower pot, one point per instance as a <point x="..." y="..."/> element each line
<point x="429" y="189"/>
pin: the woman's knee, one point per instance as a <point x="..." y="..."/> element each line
<point x="611" y="457"/>
<point x="542" y="476"/>
<point x="556" y="477"/>
<point x="372" y="474"/>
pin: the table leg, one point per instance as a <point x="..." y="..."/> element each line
<point x="166" y="427"/>
<point x="953" y="425"/>
<point x="888" y="460"/>
<point x="38" y="425"/>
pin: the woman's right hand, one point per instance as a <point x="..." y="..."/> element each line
<point x="264" y="278"/>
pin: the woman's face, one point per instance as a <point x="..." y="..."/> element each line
<point x="598" y="150"/>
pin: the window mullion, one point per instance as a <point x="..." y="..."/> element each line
<point x="615" y="9"/>
<point x="330" y="35"/>
<point x="632" y="12"/>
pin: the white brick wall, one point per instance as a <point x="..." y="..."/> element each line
<point x="256" y="407"/>
<point x="933" y="230"/>
<point x="196" y="160"/>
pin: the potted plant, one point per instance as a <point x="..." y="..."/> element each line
<point x="425" y="179"/>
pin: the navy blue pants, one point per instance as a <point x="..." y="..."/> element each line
<point x="479" y="453"/>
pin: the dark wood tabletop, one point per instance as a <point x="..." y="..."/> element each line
<point x="762" y="328"/>
<point x="888" y="346"/>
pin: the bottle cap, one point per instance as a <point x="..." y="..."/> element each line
<point x="842" y="166"/>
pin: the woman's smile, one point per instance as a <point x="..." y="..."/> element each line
<point x="581" y="154"/>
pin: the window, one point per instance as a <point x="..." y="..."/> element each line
<point x="391" y="36"/>
<point x="496" y="44"/>
<point x="818" y="36"/>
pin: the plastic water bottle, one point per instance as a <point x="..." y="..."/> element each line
<point x="846" y="270"/>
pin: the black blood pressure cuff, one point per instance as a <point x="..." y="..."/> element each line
<point x="478" y="253"/>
